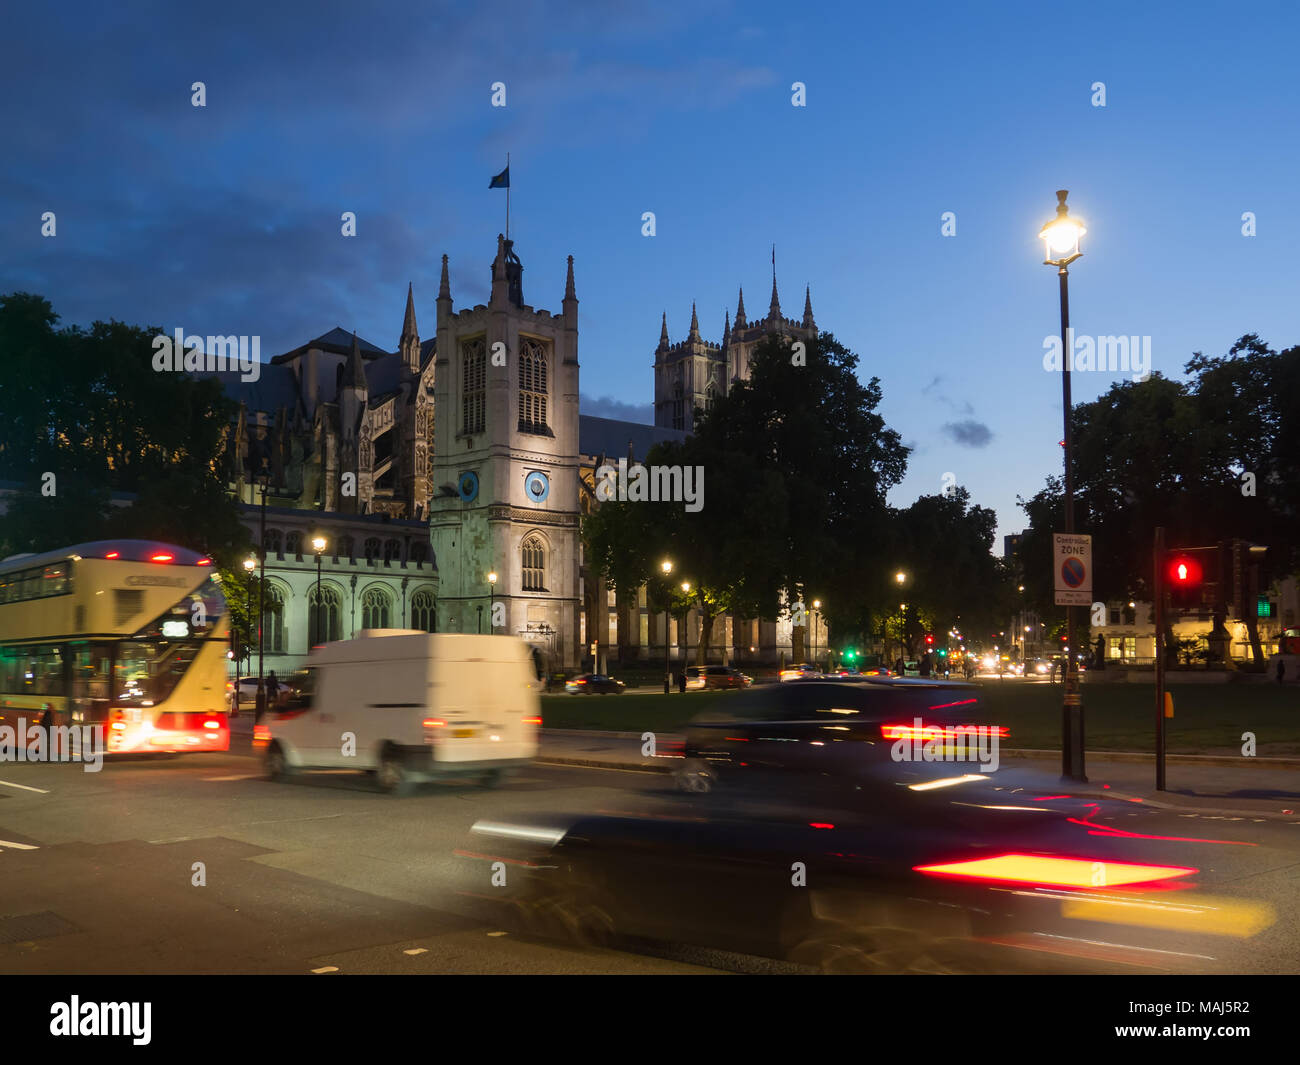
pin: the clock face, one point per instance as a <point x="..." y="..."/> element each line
<point x="537" y="486"/>
<point x="467" y="485"/>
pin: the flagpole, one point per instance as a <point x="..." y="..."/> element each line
<point x="507" y="195"/>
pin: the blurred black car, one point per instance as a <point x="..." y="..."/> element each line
<point x="594" y="684"/>
<point x="833" y="731"/>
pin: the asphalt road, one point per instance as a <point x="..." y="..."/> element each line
<point x="324" y="874"/>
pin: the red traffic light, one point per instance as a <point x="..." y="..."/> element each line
<point x="929" y="639"/>
<point x="1184" y="571"/>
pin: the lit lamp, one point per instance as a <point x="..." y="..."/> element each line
<point x="1061" y="238"/>
<point x="686" y="627"/>
<point x="492" y="587"/>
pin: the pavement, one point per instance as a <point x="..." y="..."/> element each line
<point x="1205" y="785"/>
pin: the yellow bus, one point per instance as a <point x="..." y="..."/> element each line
<point x="130" y="635"/>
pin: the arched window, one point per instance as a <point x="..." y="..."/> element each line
<point x="274" y="543"/>
<point x="424" y="615"/>
<point x="372" y="549"/>
<point x="273" y="620"/>
<point x="392" y="551"/>
<point x="293" y="544"/>
<point x="534" y="564"/>
<point x="376" y="609"/>
<point x="533" y="389"/>
<point x="324" y="616"/>
<point x="473" y="396"/>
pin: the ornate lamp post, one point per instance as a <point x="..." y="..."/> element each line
<point x="667" y="568"/>
<point x="1061" y="236"/>
<point x="318" y="545"/>
<point x="686" y="627"/>
<point x="492" y="588"/>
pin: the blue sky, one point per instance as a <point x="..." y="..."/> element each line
<point x="225" y="219"/>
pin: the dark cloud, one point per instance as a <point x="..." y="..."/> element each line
<point x="608" y="407"/>
<point x="969" y="433"/>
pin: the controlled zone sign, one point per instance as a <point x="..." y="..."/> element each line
<point x="1072" y="561"/>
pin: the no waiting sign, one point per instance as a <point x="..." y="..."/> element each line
<point x="1072" y="561"/>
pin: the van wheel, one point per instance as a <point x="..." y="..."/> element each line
<point x="391" y="776"/>
<point x="492" y="778"/>
<point x="277" y="766"/>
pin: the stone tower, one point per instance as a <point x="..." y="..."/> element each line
<point x="505" y="464"/>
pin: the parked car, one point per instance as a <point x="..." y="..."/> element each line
<point x="699" y="678"/>
<point x="594" y="684"/>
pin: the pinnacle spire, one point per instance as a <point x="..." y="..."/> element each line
<point x="444" y="286"/>
<point x="408" y="323"/>
<point x="808" y="322"/>
<point x="726" y="330"/>
<point x="741" y="323"/>
<point x="695" y="323"/>
<point x="569" y="293"/>
<point x="774" y="308"/>
<point x="663" y="332"/>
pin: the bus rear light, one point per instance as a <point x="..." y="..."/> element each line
<point x="434" y="722"/>
<point x="532" y="721"/>
<point x="118" y="726"/>
<point x="1043" y="871"/>
<point x="161" y="557"/>
<point x="204" y="562"/>
<point x="212" y="724"/>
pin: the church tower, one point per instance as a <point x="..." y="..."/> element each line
<point x="505" y="464"/>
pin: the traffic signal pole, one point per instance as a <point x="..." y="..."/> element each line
<point x="1159" y="589"/>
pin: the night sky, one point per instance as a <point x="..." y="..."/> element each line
<point x="226" y="219"/>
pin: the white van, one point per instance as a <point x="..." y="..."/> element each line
<point x="408" y="706"/>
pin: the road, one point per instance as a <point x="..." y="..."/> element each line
<point x="323" y="874"/>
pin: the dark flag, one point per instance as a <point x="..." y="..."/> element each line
<point x="502" y="180"/>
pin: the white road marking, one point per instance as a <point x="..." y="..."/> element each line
<point x="498" y="933"/>
<point x="10" y="784"/>
<point x="17" y="846"/>
<point x="236" y="776"/>
<point x="416" y="950"/>
<point x="327" y="969"/>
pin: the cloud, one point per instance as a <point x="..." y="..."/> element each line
<point x="969" y="433"/>
<point x="608" y="407"/>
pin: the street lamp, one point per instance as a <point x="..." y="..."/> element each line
<point x="492" y="588"/>
<point x="318" y="545"/>
<point x="264" y="483"/>
<point x="250" y="564"/>
<point x="1061" y="236"/>
<point x="686" y="627"/>
<point x="667" y="568"/>
<point x="817" y="605"/>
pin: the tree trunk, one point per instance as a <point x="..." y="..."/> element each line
<point x="706" y="637"/>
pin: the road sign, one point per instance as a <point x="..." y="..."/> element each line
<point x="1072" y="562"/>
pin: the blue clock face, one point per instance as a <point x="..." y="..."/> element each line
<point x="467" y="485"/>
<point x="537" y="487"/>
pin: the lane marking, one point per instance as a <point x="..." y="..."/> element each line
<point x="327" y="969"/>
<point x="236" y="776"/>
<point x="417" y="950"/>
<point x="10" y="784"/>
<point x="18" y="846"/>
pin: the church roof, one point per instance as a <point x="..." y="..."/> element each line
<point x="611" y="437"/>
<point x="338" y="340"/>
<point x="383" y="375"/>
<point x="274" y="388"/>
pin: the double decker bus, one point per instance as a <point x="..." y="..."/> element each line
<point x="130" y="635"/>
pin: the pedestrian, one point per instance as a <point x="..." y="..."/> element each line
<point x="899" y="667"/>
<point x="272" y="690"/>
<point x="925" y="664"/>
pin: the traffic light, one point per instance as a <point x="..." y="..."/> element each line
<point x="850" y="655"/>
<point x="929" y="640"/>
<point x="1185" y="577"/>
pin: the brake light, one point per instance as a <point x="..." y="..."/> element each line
<point x="434" y="722"/>
<point x="212" y="724"/>
<point x="160" y="557"/>
<point x="118" y="726"/>
<point x="1043" y="871"/>
<point x="204" y="562"/>
<point x="939" y="732"/>
<point x="112" y="554"/>
<point x="532" y="721"/>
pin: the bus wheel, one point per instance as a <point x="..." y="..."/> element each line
<point x="277" y="766"/>
<point x="391" y="776"/>
<point x="492" y="778"/>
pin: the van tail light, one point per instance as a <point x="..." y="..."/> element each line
<point x="212" y="723"/>
<point x="918" y="731"/>
<point x="162" y="556"/>
<point x="532" y="721"/>
<point x="434" y="722"/>
<point x="1039" y="870"/>
<point x="118" y="721"/>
